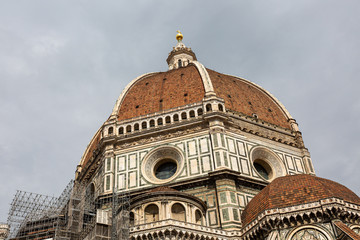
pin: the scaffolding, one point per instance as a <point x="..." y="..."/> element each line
<point x="82" y="212"/>
<point x="121" y="215"/>
<point x="35" y="216"/>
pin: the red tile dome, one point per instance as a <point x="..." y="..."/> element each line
<point x="162" y="91"/>
<point x="295" y="190"/>
<point x="186" y="85"/>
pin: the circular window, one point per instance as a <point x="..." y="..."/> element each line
<point x="165" y="169"/>
<point x="262" y="170"/>
<point x="162" y="164"/>
<point x="267" y="165"/>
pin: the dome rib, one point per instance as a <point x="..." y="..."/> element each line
<point x="126" y="89"/>
<point x="245" y="97"/>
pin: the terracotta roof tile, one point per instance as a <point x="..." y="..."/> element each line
<point x="244" y="97"/>
<point x="295" y="190"/>
<point x="162" y="91"/>
<point x="179" y="87"/>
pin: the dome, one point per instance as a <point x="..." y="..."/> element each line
<point x="188" y="83"/>
<point x="162" y="91"/>
<point x="294" y="190"/>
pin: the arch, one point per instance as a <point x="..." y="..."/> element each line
<point x="131" y="219"/>
<point x="183" y="115"/>
<point x="302" y="232"/>
<point x="152" y="123"/>
<point x="192" y="114"/>
<point x="221" y="108"/>
<point x="121" y="130"/>
<point x="200" y="112"/>
<point x="178" y="212"/>
<point x="136" y="127"/>
<point x="144" y="125"/>
<point x="356" y="230"/>
<point x="110" y="130"/>
<point x="151" y="213"/>
<point x="167" y="119"/>
<point x="176" y="118"/>
<point x="128" y="128"/>
<point x="198" y="217"/>
<point x="160" y="121"/>
<point x="208" y="107"/>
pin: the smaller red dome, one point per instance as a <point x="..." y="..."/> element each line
<point x="295" y="190"/>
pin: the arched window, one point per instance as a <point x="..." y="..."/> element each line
<point x="151" y="213"/>
<point x="192" y="114"/>
<point x="200" y="112"/>
<point x="178" y="212"/>
<point x="221" y="108"/>
<point x="167" y="119"/>
<point x="309" y="233"/>
<point x="136" y="127"/>
<point x="131" y="219"/>
<point x="110" y="130"/>
<point x="208" y="108"/>
<point x="179" y="63"/>
<point x="160" y="121"/>
<point x="356" y="230"/>
<point x="183" y="116"/>
<point x="152" y="123"/>
<point x="176" y="118"/>
<point x="121" y="130"/>
<point x="144" y="125"/>
<point x="128" y="128"/>
<point x="198" y="217"/>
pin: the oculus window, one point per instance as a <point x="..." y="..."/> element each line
<point x="165" y="169"/>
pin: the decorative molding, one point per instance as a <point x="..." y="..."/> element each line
<point x="325" y="209"/>
<point x="142" y="141"/>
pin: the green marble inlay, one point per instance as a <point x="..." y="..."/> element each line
<point x="226" y="159"/>
<point x="215" y="140"/>
<point x="218" y="161"/>
<point x="223" y="197"/>
<point x="236" y="214"/>
<point x="225" y="214"/>
<point x="232" y="197"/>
<point x="222" y="139"/>
<point x="107" y="182"/>
<point x="108" y="164"/>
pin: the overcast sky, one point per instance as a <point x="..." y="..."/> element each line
<point x="64" y="63"/>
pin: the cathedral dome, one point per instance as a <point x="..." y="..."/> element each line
<point x="156" y="92"/>
<point x="189" y="84"/>
<point x="294" y="190"/>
